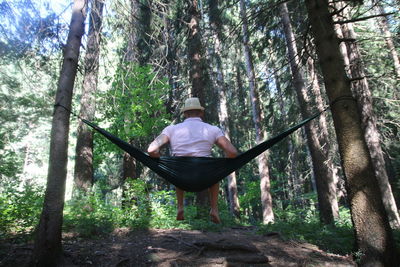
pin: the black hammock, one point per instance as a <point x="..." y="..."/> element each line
<point x="195" y="174"/>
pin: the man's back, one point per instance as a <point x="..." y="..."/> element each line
<point x="192" y="137"/>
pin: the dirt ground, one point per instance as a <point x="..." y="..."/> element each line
<point x="164" y="248"/>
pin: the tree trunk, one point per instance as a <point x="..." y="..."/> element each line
<point x="372" y="230"/>
<point x="265" y="185"/>
<point x="241" y="91"/>
<point x="384" y="27"/>
<point x="132" y="54"/>
<point x="291" y="161"/>
<point x="171" y="66"/>
<point x="368" y="121"/>
<point x="47" y="249"/>
<point x="128" y="167"/>
<point x="138" y="51"/>
<point x="195" y="53"/>
<point x="322" y="166"/>
<point x="197" y="78"/>
<point x="83" y="175"/>
<point x="215" y="22"/>
<point x="144" y="32"/>
<point x="325" y="136"/>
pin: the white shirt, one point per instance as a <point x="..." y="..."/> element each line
<point x="193" y="137"/>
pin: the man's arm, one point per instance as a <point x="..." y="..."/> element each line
<point x="154" y="147"/>
<point x="227" y="147"/>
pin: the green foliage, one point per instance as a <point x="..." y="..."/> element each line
<point x="8" y="161"/>
<point x="26" y="31"/>
<point x="135" y="105"/>
<point x="19" y="208"/>
<point x="134" y="108"/>
<point x="136" y="204"/>
<point x="25" y="114"/>
<point x="292" y="224"/>
<point x="90" y="215"/>
<point x="249" y="200"/>
<point x="97" y="214"/>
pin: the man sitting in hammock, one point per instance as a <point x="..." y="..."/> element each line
<point x="193" y="138"/>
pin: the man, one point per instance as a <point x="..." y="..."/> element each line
<point x="193" y="138"/>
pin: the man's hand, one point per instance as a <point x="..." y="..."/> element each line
<point x="227" y="147"/>
<point x="154" y="147"/>
<point x="155" y="154"/>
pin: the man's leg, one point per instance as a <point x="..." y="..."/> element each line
<point x="179" y="196"/>
<point x="214" y="203"/>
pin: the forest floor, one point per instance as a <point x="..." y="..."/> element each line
<point x="240" y="246"/>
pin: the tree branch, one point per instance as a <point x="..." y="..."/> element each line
<point x="362" y="18"/>
<point x="347" y="39"/>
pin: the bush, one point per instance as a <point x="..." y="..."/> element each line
<point x="94" y="214"/>
<point x="20" y="208"/>
<point x="297" y="224"/>
<point x="90" y="215"/>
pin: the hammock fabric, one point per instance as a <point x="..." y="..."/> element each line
<point x="195" y="174"/>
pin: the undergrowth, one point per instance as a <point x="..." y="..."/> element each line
<point x="336" y="238"/>
<point x="96" y="214"/>
<point x="20" y="208"/>
<point x="139" y="209"/>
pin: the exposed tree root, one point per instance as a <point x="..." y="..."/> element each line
<point x="226" y="245"/>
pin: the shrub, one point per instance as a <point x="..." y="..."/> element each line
<point x="20" y="208"/>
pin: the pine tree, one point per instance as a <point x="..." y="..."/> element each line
<point x="326" y="187"/>
<point x="372" y="230"/>
<point x="47" y="249"/>
<point x="263" y="169"/>
<point x="83" y="176"/>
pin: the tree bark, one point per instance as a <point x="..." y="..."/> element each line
<point x="326" y="137"/>
<point x="290" y="166"/>
<point x="215" y="23"/>
<point x="372" y="230"/>
<point x="195" y="53"/>
<point x="138" y="51"/>
<point x="171" y="66"/>
<point x="322" y="165"/>
<point x="83" y="175"/>
<point x="363" y="95"/>
<point x="197" y="76"/>
<point x="132" y="54"/>
<point x="48" y="249"/>
<point x="384" y="27"/>
<point x="128" y="167"/>
<point x="265" y="184"/>
<point x="144" y="32"/>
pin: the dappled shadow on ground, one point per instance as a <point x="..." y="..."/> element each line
<point x="239" y="246"/>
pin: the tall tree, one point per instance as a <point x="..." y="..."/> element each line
<point x="363" y="95"/>
<point x="384" y="27"/>
<point x="372" y="230"/>
<point x="83" y="176"/>
<point x="288" y="188"/>
<point x="265" y="184"/>
<point x="215" y="21"/>
<point x="195" y="52"/>
<point x="47" y="249"/>
<point x="322" y="165"/>
<point x="325" y="134"/>
<point x="197" y="77"/>
<point x="138" y="51"/>
<point x="144" y="32"/>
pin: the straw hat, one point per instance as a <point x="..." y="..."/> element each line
<point x="192" y="103"/>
